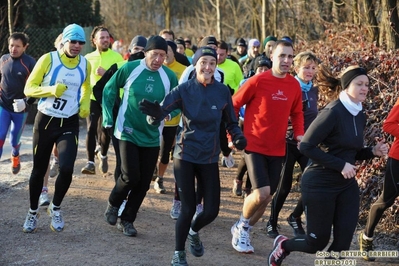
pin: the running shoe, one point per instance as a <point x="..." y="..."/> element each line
<point x="179" y="259"/>
<point x="15" y="164"/>
<point x="127" y="228"/>
<point x="158" y="186"/>
<point x="278" y="254"/>
<point x="296" y="224"/>
<point x="365" y="246"/>
<point x="240" y="240"/>
<point x="111" y="214"/>
<point x="54" y="168"/>
<point x="271" y="230"/>
<point x="30" y="224"/>
<point x="89" y="169"/>
<point x="175" y="210"/>
<point x="196" y="247"/>
<point x="237" y="187"/>
<point x="44" y="199"/>
<point x="57" y="222"/>
<point x="103" y="163"/>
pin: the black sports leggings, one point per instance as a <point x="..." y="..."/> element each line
<point x="326" y="209"/>
<point x="94" y="128"/>
<point x="292" y="155"/>
<point x="168" y="138"/>
<point x="64" y="132"/>
<point x="209" y="181"/>
<point x="137" y="167"/>
<point x="387" y="198"/>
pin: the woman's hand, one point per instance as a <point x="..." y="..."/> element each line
<point x="349" y="171"/>
<point x="381" y="148"/>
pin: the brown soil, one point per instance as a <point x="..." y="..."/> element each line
<point x="88" y="240"/>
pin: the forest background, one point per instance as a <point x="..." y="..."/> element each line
<point x="339" y="32"/>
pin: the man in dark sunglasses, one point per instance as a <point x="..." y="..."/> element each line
<point x="60" y="80"/>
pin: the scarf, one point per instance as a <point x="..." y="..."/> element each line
<point x="305" y="88"/>
<point x="353" y="108"/>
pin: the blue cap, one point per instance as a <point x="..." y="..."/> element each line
<point x="73" y="32"/>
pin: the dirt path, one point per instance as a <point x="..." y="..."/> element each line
<point x="88" y="240"/>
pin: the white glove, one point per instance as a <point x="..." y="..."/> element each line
<point x="19" y="105"/>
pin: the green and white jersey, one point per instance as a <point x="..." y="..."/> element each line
<point x="137" y="82"/>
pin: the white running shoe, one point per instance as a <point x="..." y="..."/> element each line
<point x="57" y="222"/>
<point x="240" y="240"/>
<point x="43" y="199"/>
<point x="175" y="210"/>
<point x="30" y="224"/>
<point x="54" y="167"/>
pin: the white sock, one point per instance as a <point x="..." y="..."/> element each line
<point x="52" y="206"/>
<point x="192" y="232"/>
<point x="103" y="157"/>
<point x="367" y="238"/>
<point x="33" y="211"/>
<point x="244" y="222"/>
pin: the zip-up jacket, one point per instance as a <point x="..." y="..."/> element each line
<point x="340" y="135"/>
<point x="13" y="74"/>
<point x="203" y="108"/>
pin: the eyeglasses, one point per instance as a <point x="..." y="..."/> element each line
<point x="75" y="42"/>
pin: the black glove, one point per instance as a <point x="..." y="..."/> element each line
<point x="240" y="142"/>
<point x="152" y="109"/>
<point x="231" y="89"/>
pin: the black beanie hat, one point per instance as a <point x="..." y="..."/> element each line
<point x="262" y="61"/>
<point x="181" y="41"/>
<point x="172" y="45"/>
<point x="138" y="40"/>
<point x="202" y="51"/>
<point x="156" y="42"/>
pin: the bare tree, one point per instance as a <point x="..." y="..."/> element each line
<point x="389" y="24"/>
<point x="216" y="5"/>
<point x="371" y="20"/>
<point x="10" y="16"/>
<point x="166" y="6"/>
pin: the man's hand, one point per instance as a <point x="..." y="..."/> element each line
<point x="19" y="105"/>
<point x="152" y="109"/>
<point x="58" y="89"/>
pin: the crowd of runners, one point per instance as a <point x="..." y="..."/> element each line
<point x="196" y="105"/>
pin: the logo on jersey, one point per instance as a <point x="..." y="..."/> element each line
<point x="149" y="88"/>
<point x="279" y="96"/>
<point x="150" y="78"/>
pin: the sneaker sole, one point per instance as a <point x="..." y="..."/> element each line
<point x="120" y="228"/>
<point x="87" y="172"/>
<point x="43" y="204"/>
<point x="56" y="229"/>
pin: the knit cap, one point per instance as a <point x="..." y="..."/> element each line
<point x="268" y="39"/>
<point x="202" y="51"/>
<point x="172" y="45"/>
<point x="138" y="40"/>
<point x="241" y="42"/>
<point x="73" y="32"/>
<point x="253" y="42"/>
<point x="181" y="41"/>
<point x="156" y="42"/>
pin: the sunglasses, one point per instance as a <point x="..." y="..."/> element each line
<point x="75" y="42"/>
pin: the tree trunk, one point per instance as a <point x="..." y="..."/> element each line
<point x="219" y="20"/>
<point x="10" y="17"/>
<point x="372" y="20"/>
<point x="337" y="11"/>
<point x="355" y="12"/>
<point x="166" y="5"/>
